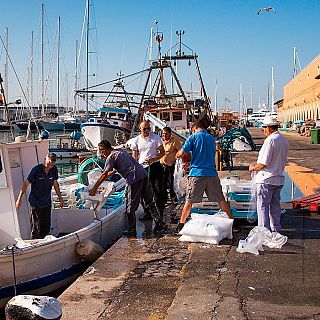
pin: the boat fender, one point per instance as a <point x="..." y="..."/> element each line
<point x="33" y="307"/>
<point x="89" y="250"/>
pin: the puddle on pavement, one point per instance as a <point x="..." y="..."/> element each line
<point x="303" y="179"/>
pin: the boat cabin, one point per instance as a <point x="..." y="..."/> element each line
<point x="16" y="161"/>
<point x="175" y="118"/>
<point x="114" y="116"/>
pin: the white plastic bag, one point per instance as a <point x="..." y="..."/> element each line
<point x="180" y="181"/>
<point x="207" y="228"/>
<point x="259" y="237"/>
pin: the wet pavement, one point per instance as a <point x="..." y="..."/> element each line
<point x="152" y="277"/>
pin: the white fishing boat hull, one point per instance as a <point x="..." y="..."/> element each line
<point x="94" y="133"/>
<point x="50" y="265"/>
<point x="43" y="265"/>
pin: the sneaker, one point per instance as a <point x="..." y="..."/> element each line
<point x="179" y="227"/>
<point x="146" y="217"/>
<point x="159" y="227"/>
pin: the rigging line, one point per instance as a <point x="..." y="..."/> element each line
<point x="20" y="85"/>
<point x="51" y="65"/>
<point x="91" y="105"/>
<point x="144" y="63"/>
<point x="140" y="76"/>
<point x="113" y="80"/>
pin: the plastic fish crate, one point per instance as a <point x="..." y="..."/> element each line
<point x="243" y="214"/>
<point x="241" y="205"/>
<point x="205" y="211"/>
<point x="241" y="187"/>
<point x="242" y="197"/>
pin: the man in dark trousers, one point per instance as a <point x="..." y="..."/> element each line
<point x="147" y="149"/>
<point x="41" y="177"/>
<point x="138" y="185"/>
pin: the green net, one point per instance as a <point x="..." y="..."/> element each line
<point x="96" y="164"/>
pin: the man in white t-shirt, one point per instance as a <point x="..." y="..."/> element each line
<point x="148" y="149"/>
<point x="269" y="177"/>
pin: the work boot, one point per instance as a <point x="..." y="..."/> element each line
<point x="159" y="227"/>
<point x="179" y="227"/>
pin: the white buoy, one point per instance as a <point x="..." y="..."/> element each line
<point x="89" y="250"/>
<point x="33" y="307"/>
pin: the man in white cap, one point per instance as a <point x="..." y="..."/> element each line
<point x="269" y="177"/>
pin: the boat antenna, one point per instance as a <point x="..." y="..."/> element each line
<point x="158" y="38"/>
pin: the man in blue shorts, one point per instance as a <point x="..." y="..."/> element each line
<point x="138" y="184"/>
<point x="203" y="176"/>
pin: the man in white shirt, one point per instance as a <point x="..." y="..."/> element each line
<point x="148" y="149"/>
<point x="269" y="177"/>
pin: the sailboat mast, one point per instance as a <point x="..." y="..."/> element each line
<point x="6" y="75"/>
<point x="76" y="80"/>
<point x="87" y="59"/>
<point x="31" y="72"/>
<point x="42" y="60"/>
<point x="251" y="97"/>
<point x="216" y="97"/>
<point x="58" y="68"/>
<point x="272" y="90"/>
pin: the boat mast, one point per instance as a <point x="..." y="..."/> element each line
<point x="76" y="80"/>
<point x="31" y="72"/>
<point x="87" y="59"/>
<point x="179" y="53"/>
<point x="58" y="68"/>
<point x="272" y="91"/>
<point x="216" y="97"/>
<point x="240" y="99"/>
<point x="150" y="54"/>
<point x="42" y="61"/>
<point x="251" y="97"/>
<point x="6" y="75"/>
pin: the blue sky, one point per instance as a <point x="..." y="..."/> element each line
<point x="234" y="44"/>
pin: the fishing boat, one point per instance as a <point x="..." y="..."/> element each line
<point x="164" y="95"/>
<point x="68" y="145"/>
<point x="61" y="123"/>
<point x="40" y="266"/>
<point x="113" y="121"/>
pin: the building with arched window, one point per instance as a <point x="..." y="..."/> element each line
<point x="301" y="99"/>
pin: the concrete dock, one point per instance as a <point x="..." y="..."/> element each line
<point x="159" y="278"/>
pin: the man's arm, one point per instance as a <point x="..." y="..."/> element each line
<point x="180" y="153"/>
<point x="57" y="190"/>
<point x="256" y="167"/>
<point x="102" y="178"/>
<point x="21" y="193"/>
<point x="135" y="154"/>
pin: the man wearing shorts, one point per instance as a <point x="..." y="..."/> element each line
<point x="203" y="176"/>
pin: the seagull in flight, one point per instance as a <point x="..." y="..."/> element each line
<point x="268" y="9"/>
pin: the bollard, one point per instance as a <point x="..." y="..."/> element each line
<point x="29" y="307"/>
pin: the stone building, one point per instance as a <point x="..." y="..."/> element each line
<point x="301" y="99"/>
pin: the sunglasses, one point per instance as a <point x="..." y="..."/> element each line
<point x="146" y="129"/>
